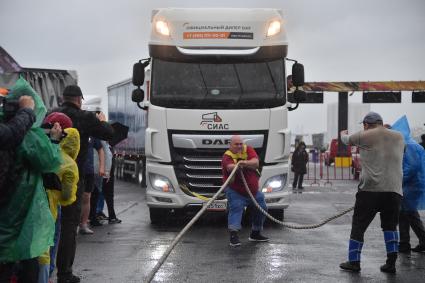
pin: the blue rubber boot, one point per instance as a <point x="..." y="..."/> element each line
<point x="354" y="252"/>
<point x="391" y="244"/>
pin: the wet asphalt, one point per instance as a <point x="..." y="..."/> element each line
<point x="127" y="252"/>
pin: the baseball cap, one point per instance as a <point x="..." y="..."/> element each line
<point x="372" y="118"/>
<point x="73" y="90"/>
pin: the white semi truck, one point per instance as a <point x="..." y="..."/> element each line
<point x="214" y="73"/>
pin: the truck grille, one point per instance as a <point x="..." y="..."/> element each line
<point x="199" y="169"/>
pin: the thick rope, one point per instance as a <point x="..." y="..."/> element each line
<point x="158" y="265"/>
<point x="287" y="225"/>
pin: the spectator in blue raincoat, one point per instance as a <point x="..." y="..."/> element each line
<point x="413" y="189"/>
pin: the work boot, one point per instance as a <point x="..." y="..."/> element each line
<point x="69" y="279"/>
<point x="95" y="223"/>
<point x="234" y="239"/>
<point x="353" y="266"/>
<point x="419" y="248"/>
<point x="114" y="221"/>
<point x="257" y="237"/>
<point x="389" y="266"/>
<point x="404" y="248"/>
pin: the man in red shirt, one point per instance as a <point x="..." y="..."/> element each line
<point x="237" y="197"/>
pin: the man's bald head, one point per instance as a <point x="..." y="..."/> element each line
<point x="236" y="144"/>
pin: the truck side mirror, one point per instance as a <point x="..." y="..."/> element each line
<point x="138" y="74"/>
<point x="138" y="95"/>
<point x="298" y="74"/>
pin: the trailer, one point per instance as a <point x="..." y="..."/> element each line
<point x="129" y="154"/>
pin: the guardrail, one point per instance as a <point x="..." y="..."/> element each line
<point x="319" y="173"/>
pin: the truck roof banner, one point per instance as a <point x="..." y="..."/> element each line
<point x="231" y="28"/>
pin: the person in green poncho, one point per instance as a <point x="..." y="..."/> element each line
<point x="26" y="224"/>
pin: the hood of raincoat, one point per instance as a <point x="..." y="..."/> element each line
<point x="22" y="87"/>
<point x="71" y="143"/>
<point x="413" y="168"/>
<point x="402" y="126"/>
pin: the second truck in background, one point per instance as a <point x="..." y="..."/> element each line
<point x="130" y="153"/>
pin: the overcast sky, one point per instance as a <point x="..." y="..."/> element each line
<point x="336" y="40"/>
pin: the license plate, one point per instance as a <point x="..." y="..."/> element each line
<point x="217" y="206"/>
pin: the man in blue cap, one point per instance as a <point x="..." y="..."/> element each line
<point x="381" y="153"/>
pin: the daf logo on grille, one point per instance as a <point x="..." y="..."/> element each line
<point x="212" y="121"/>
<point x="215" y="141"/>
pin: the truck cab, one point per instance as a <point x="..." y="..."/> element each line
<point x="214" y="73"/>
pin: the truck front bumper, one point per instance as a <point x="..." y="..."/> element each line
<point x="179" y="200"/>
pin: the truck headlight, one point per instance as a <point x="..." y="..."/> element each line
<point x="161" y="27"/>
<point x="275" y="184"/>
<point x="274" y="28"/>
<point x="161" y="183"/>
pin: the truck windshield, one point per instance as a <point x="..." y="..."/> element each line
<point x="218" y="86"/>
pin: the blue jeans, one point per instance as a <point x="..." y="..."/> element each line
<point x="236" y="204"/>
<point x="54" y="248"/>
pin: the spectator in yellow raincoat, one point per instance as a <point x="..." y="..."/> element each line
<point x="68" y="176"/>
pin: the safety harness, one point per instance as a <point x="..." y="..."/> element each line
<point x="238" y="156"/>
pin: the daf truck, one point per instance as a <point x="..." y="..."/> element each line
<point x="214" y="73"/>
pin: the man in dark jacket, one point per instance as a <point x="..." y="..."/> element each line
<point x="299" y="165"/>
<point x="88" y="124"/>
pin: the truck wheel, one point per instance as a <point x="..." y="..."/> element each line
<point x="158" y="215"/>
<point x="277" y="214"/>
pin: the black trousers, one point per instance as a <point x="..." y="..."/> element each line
<point x="108" y="192"/>
<point x="367" y="205"/>
<point x="26" y="271"/>
<point x="411" y="219"/>
<point x="67" y="243"/>
<point x="298" y="179"/>
<point x="94" y="198"/>
<point x="6" y="270"/>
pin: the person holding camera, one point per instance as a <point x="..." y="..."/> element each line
<point x="12" y="132"/>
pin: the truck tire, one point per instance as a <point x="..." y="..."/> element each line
<point x="277" y="214"/>
<point x="158" y="215"/>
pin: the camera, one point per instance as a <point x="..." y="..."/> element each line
<point x="9" y="108"/>
<point x="48" y="126"/>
